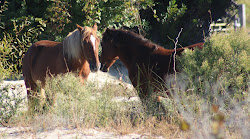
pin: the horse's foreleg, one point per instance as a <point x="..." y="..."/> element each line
<point x="84" y="72"/>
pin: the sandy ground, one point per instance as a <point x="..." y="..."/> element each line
<point x="63" y="133"/>
<point x="118" y="73"/>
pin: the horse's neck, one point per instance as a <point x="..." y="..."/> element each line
<point x="74" y="64"/>
<point x="137" y="58"/>
<point x="126" y="62"/>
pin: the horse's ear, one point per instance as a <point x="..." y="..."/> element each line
<point x="108" y="31"/>
<point x="136" y="29"/>
<point x="79" y="27"/>
<point x="95" y="27"/>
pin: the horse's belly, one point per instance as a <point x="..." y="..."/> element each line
<point x="43" y="69"/>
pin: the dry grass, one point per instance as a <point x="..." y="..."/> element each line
<point x="87" y="107"/>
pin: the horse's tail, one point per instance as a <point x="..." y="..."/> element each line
<point x="198" y="45"/>
<point x="26" y="69"/>
<point x="26" y="64"/>
<point x="180" y="50"/>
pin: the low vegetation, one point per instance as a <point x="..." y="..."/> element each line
<point x="223" y="61"/>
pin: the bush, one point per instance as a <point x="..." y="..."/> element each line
<point x="224" y="61"/>
<point x="13" y="46"/>
<point x="211" y="91"/>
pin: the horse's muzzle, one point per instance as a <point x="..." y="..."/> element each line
<point x="104" y="68"/>
<point x="94" y="67"/>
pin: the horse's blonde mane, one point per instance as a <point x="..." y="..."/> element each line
<point x="72" y="43"/>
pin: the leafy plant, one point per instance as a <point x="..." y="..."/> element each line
<point x="58" y="16"/>
<point x="110" y="13"/>
<point x="3" y="8"/>
<point x="173" y="12"/>
<point x="13" y="46"/>
<point x="224" y="59"/>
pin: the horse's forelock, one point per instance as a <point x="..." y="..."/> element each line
<point x="87" y="31"/>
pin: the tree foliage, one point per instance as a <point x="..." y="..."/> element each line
<point x="194" y="17"/>
<point x="27" y="21"/>
<point x="222" y="64"/>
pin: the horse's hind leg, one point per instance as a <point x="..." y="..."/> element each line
<point x="36" y="100"/>
<point x="31" y="91"/>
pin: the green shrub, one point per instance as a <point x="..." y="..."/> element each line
<point x="222" y="65"/>
<point x="14" y="45"/>
<point x="4" y="72"/>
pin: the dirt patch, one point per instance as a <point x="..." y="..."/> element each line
<point x="64" y="133"/>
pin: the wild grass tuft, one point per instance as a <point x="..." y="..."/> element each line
<point x="86" y="105"/>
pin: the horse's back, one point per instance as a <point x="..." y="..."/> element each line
<point x="46" y="43"/>
<point x="42" y="58"/>
<point x="43" y="47"/>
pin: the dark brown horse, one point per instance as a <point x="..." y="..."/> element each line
<point x="46" y="58"/>
<point x="148" y="64"/>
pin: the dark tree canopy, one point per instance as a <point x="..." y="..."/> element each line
<point x="23" y="22"/>
<point x="194" y="16"/>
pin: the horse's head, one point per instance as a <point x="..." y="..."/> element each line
<point x="109" y="51"/>
<point x="89" y="45"/>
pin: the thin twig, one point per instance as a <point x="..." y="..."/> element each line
<point x="175" y="46"/>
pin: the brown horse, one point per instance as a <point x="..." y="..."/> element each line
<point x="77" y="53"/>
<point x="148" y="64"/>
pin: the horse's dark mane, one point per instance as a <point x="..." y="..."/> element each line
<point x="129" y="36"/>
